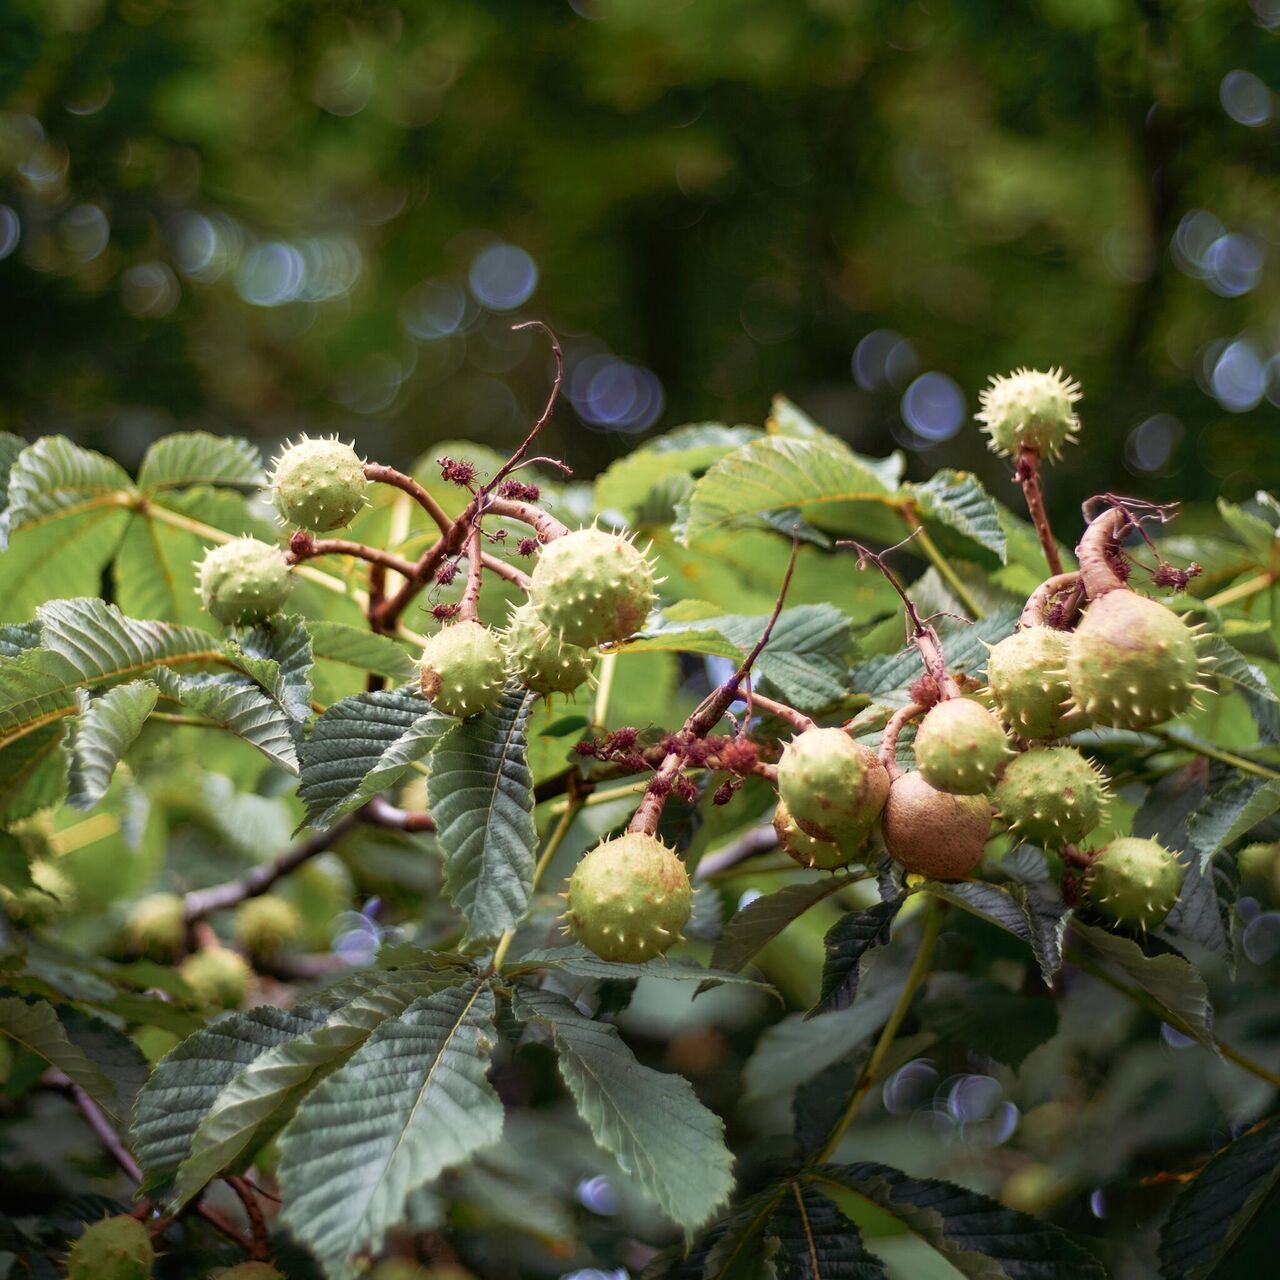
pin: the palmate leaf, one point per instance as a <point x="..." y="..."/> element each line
<point x="361" y="746"/>
<point x="36" y="1027"/>
<point x="265" y="1092"/>
<point x="87" y="642"/>
<point x="652" y="1123"/>
<point x="1167" y="979"/>
<point x="1229" y="812"/>
<point x="815" y="1241"/>
<point x="360" y="649"/>
<point x="977" y="1235"/>
<point x="277" y="654"/>
<point x="1228" y="1196"/>
<point x="412" y="1101"/>
<point x="238" y="705"/>
<point x="33" y="772"/>
<point x="480" y="793"/>
<point x="958" y="500"/>
<point x="848" y="942"/>
<point x="187" y="1081"/>
<point x="68" y="508"/>
<point x="102" y="733"/>
<point x="189" y="458"/>
<point x="819" y="476"/>
<point x="760" y="921"/>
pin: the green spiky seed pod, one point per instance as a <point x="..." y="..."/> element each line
<point x="1027" y="672"/>
<point x="265" y="925"/>
<point x="934" y="833"/>
<point x="1259" y="867"/>
<point x="1051" y="795"/>
<point x="1028" y="409"/>
<point x="833" y="787"/>
<point x="960" y="747"/>
<point x="540" y="660"/>
<point x="156" y="926"/>
<point x="591" y="587"/>
<point x="462" y="670"/>
<point x="319" y="484"/>
<point x="250" y="1271"/>
<point x="1134" y="881"/>
<point x="244" y="581"/>
<point x="1132" y="663"/>
<point x="53" y="895"/>
<point x="218" y="976"/>
<point x="808" y="852"/>
<point x="629" y="898"/>
<point x="114" y="1249"/>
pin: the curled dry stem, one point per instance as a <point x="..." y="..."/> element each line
<point x="892" y="731"/>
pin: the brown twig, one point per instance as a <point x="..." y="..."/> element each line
<point x="304" y="547"/>
<point x="796" y="719"/>
<point x="507" y="571"/>
<point x="751" y="844"/>
<point x="546" y="526"/>
<point x="518" y="457"/>
<point x="469" y="610"/>
<point x="389" y="475"/>
<point x="1026" y="472"/>
<point x="260" y="1250"/>
<point x="1036" y="608"/>
<point x="892" y="731"/>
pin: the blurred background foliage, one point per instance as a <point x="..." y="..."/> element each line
<point x="264" y="215"/>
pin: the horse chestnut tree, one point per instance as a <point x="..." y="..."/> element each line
<point x="340" y="872"/>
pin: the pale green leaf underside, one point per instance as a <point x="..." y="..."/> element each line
<point x="411" y="1102"/>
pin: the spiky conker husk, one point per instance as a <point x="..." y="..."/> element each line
<point x="1132" y="662"/>
<point x="1028" y="409"/>
<point x="934" y="833"/>
<point x="244" y="581"/>
<point x="629" y="898"/>
<point x="808" y="852"/>
<point x="539" y="659"/>
<point x="319" y="484"/>
<point x="156" y="925"/>
<point x="1134" y="881"/>
<point x="266" y="924"/>
<point x="218" y="976"/>
<point x="591" y="587"/>
<point x="1259" y="867"/>
<point x="250" y="1271"/>
<point x="960" y="747"/>
<point x="462" y="670"/>
<point x="1028" y="678"/>
<point x="53" y="894"/>
<point x="113" y="1249"/>
<point x="1051" y="795"/>
<point x="832" y="786"/>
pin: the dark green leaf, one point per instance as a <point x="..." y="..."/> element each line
<point x="848" y="942"/>
<point x="988" y="1018"/>
<point x="816" y="1241"/>
<point x="363" y="650"/>
<point x="760" y="921"/>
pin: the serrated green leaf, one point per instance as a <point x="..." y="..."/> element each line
<point x="1214" y="1212"/>
<point x="816" y="1241"/>
<point x="1253" y="531"/>
<point x="1168" y="979"/>
<point x="581" y="963"/>
<point x="102" y="733"/>
<point x="238" y="705"/>
<point x="825" y="481"/>
<point x="958" y="500"/>
<point x="36" y="1027"/>
<point x="266" y="1091"/>
<point x="10" y="447"/>
<point x="277" y="654"/>
<point x="1230" y="664"/>
<point x="787" y="419"/>
<point x="627" y="484"/>
<point x="797" y="1049"/>
<point x="480" y="793"/>
<point x="33" y="772"/>
<point x="112" y="1052"/>
<point x="979" y="1236"/>
<point x="363" y="745"/>
<point x="68" y="508"/>
<point x="1205" y="910"/>
<point x="848" y="943"/>
<point x="189" y="458"/>
<point x="187" y="1081"/>
<point x="412" y="1101"/>
<point x="363" y="650"/>
<point x="651" y="1123"/>
<point x="761" y="920"/>
<point x="1228" y="812"/>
